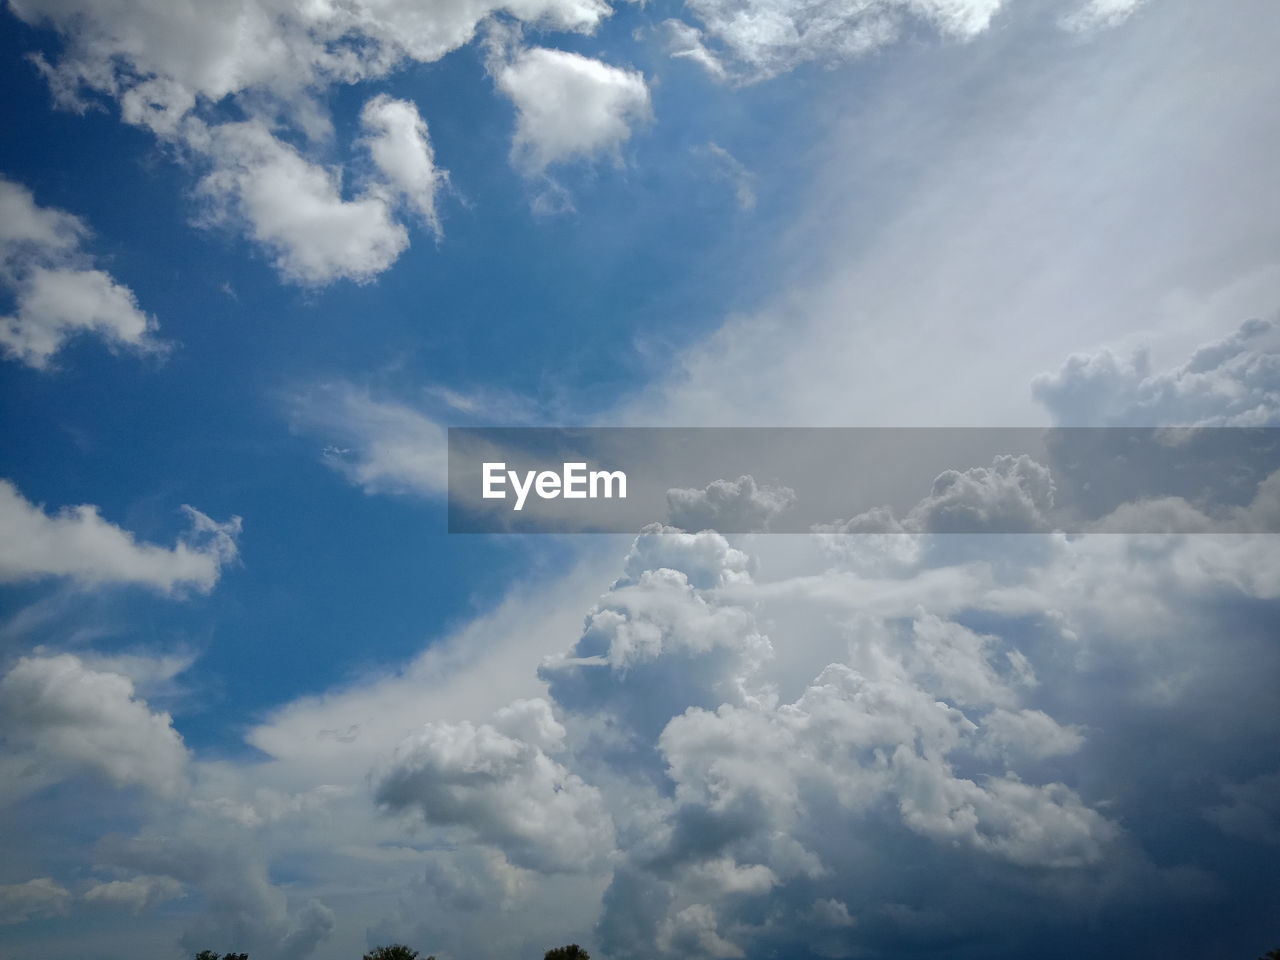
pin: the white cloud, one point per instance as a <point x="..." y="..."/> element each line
<point x="502" y="785"/>
<point x="771" y="36"/>
<point x="63" y="718"/>
<point x="939" y="302"/>
<point x="382" y="447"/>
<point x="137" y="893"/>
<point x="77" y="542"/>
<point x="173" y="55"/>
<point x="295" y="209"/>
<point x="58" y="294"/>
<point x="396" y="138"/>
<point x="685" y="42"/>
<point x="570" y="107"/>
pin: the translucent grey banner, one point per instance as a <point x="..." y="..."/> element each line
<point x="865" y="480"/>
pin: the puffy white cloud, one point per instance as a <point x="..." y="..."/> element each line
<point x="705" y="557"/>
<point x="1028" y="733"/>
<point x="137" y="893"/>
<point x="570" y="107"/>
<point x="733" y="506"/>
<point x="40" y="897"/>
<point x="397" y="141"/>
<point x="1231" y="382"/>
<point x="58" y="294"/>
<point x="276" y="59"/>
<point x="62" y="719"/>
<point x="77" y="542"/>
<point x="295" y="209"/>
<point x="499" y="782"/>
<point x="169" y="56"/>
<point x="656" y="645"/>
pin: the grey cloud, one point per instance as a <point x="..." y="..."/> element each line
<point x="737" y="505"/>
<point x="36" y="898"/>
<point x="504" y="789"/>
<point x="61" y="719"/>
<point x="1234" y="382"/>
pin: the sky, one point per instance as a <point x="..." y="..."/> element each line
<point x="257" y="256"/>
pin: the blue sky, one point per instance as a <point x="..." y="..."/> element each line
<point x="255" y="256"/>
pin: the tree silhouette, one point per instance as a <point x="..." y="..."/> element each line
<point x="394" y="951"/>
<point x="571" y="952"/>
<point x="1271" y="955"/>
<point x="213" y="955"/>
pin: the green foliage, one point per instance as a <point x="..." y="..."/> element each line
<point x="395" y="951"/>
<point x="571" y="952"/>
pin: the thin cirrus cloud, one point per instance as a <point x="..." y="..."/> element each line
<point x="58" y="292"/>
<point x="79" y="544"/>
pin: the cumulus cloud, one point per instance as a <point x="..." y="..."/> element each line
<point x="730" y="506"/>
<point x="58" y="293"/>
<point x="36" y="898"/>
<point x="275" y="61"/>
<point x="1232" y="382"/>
<point x="295" y="208"/>
<point x="1014" y="495"/>
<point x="169" y="57"/>
<point x="656" y="644"/>
<point x="77" y="542"/>
<point x="498" y="781"/>
<point x="397" y="141"/>
<point x="570" y="107"/>
<point x="62" y="718"/>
